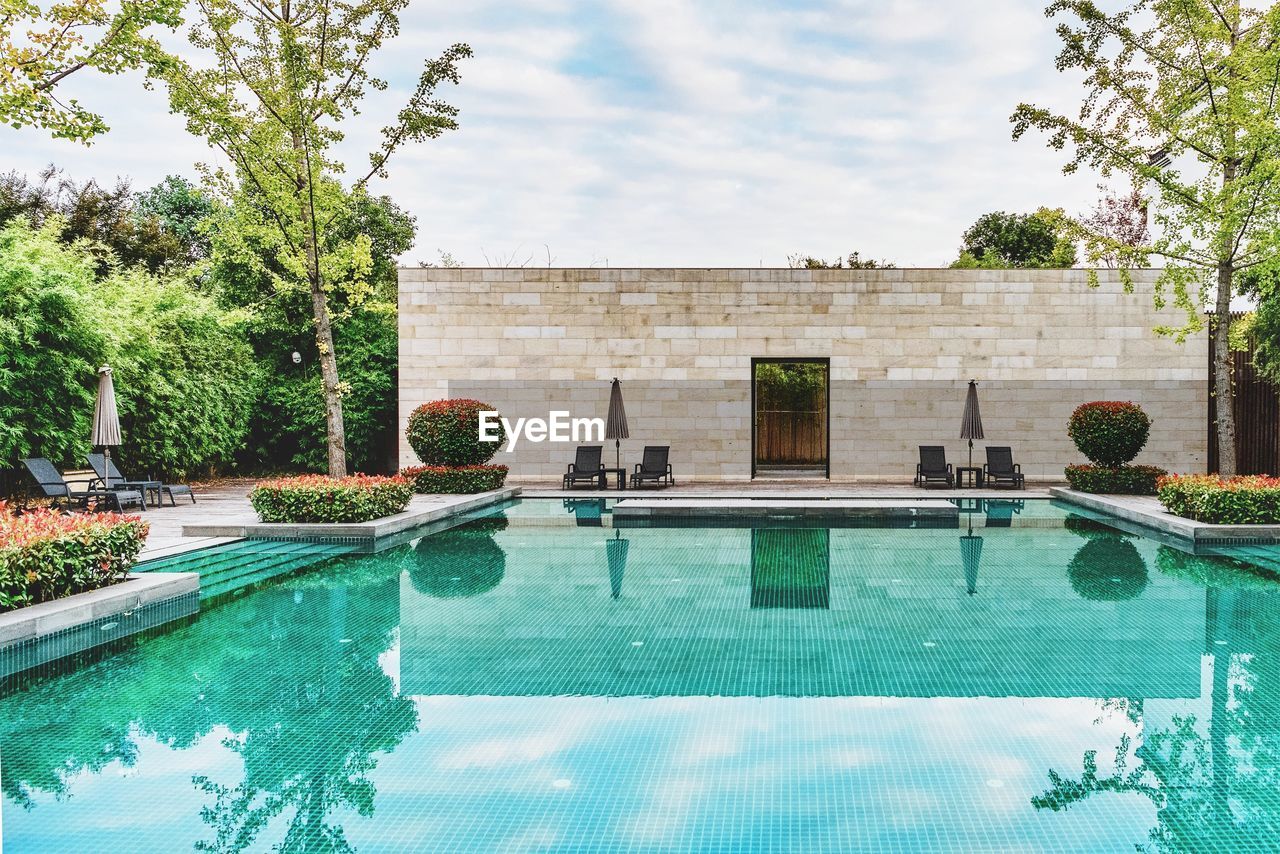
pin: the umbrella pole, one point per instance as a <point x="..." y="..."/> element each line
<point x="106" y="466"/>
<point x="617" y="452"/>
<point x="970" y="453"/>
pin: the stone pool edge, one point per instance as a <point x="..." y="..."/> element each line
<point x="1145" y="511"/>
<point x="38" y="634"/>
<point x="376" y="529"/>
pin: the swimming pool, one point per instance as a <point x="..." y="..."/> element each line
<point x="538" y="679"/>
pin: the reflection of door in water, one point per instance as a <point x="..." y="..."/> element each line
<point x="790" y="567"/>
<point x="790" y="418"/>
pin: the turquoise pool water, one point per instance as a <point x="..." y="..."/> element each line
<point x="538" y="679"/>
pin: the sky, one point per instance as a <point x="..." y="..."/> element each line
<point x="679" y="132"/>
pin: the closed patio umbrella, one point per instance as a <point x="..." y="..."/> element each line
<point x="106" y="420"/>
<point x="971" y="423"/>
<point x="615" y="426"/>
<point x="616" y="553"/>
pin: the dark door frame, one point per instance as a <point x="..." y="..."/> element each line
<point x="792" y="360"/>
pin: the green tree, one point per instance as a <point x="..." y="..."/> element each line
<point x="1181" y="98"/>
<point x="1000" y="240"/>
<point x="282" y="79"/>
<point x="288" y="425"/>
<point x="41" y="45"/>
<point x="148" y="229"/>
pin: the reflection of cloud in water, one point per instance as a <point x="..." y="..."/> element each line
<point x="841" y="772"/>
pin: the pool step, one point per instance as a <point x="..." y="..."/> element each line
<point x="224" y="569"/>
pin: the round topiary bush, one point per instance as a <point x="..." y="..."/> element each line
<point x="447" y="433"/>
<point x="1108" y="432"/>
<point x="1107" y="569"/>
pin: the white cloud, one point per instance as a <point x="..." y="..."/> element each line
<point x="684" y="133"/>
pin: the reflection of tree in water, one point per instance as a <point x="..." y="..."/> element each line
<point x="461" y="561"/>
<point x="1215" y="786"/>
<point x="292" y="670"/>
<point x="1107" y="567"/>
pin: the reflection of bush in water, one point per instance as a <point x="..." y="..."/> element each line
<point x="1108" y="568"/>
<point x="461" y="561"/>
<point x="1216" y="571"/>
<point x="1091" y="529"/>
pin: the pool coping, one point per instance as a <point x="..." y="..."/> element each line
<point x="139" y="589"/>
<point x="354" y="532"/>
<point x="698" y="507"/>
<point x="1132" y="508"/>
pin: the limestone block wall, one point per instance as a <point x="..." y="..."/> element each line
<point x="902" y="346"/>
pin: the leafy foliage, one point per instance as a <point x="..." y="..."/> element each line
<point x="455" y="480"/>
<point x="319" y="498"/>
<point x="1109" y="433"/>
<point x="1115" y="480"/>
<point x="447" y="433"/>
<point x="854" y="261"/>
<point x="998" y="240"/>
<point x="185" y="377"/>
<point x="1119" y="220"/>
<point x="46" y="555"/>
<point x="1243" y="500"/>
<point x="157" y="229"/>
<point x="51" y="344"/>
<point x="186" y="382"/>
<point x="41" y="47"/>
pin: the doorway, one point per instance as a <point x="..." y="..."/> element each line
<point x="790" y="406"/>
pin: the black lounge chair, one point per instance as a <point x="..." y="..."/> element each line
<point x="586" y="465"/>
<point x="51" y="483"/>
<point x="110" y="477"/>
<point x="933" y="466"/>
<point x="654" y="466"/>
<point x="1000" y="468"/>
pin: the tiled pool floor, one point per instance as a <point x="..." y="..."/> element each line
<point x="533" y="682"/>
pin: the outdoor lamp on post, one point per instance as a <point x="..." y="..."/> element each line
<point x="297" y="357"/>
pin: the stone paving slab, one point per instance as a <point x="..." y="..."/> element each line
<point x="1147" y="511"/>
<point x="138" y="590"/>
<point x="422" y="510"/>
<point x="785" y="506"/>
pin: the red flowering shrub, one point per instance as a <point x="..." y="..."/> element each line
<point x="447" y="433"/>
<point x="1118" y="480"/>
<point x="46" y="555"/>
<point x="320" y="498"/>
<point x="1109" y="432"/>
<point x="1243" y="500"/>
<point x="455" y="479"/>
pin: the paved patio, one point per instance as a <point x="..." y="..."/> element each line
<point x="228" y="503"/>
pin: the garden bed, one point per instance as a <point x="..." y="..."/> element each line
<point x="47" y="555"/>
<point x="316" y="498"/>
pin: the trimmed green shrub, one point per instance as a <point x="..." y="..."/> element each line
<point x="447" y="433"/>
<point x="1110" y="433"/>
<point x="455" y="480"/>
<point x="320" y="498"/>
<point x="46" y="555"/>
<point x="1244" y="500"/>
<point x="1118" y="480"/>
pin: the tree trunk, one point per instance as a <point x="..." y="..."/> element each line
<point x="1223" y="392"/>
<point x="335" y="430"/>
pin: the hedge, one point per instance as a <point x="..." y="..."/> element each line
<point x="1117" y="480"/>
<point x="455" y="479"/>
<point x="1243" y="500"/>
<point x="46" y="555"/>
<point x="447" y="433"/>
<point x="320" y="498"/>
<point x="1110" y="433"/>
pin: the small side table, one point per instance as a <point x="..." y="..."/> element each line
<point x="604" y="478"/>
<point x="975" y="476"/>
